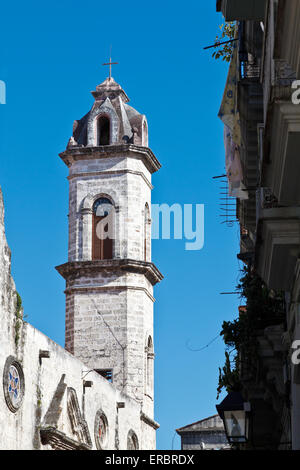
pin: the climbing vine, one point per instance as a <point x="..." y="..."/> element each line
<point x="264" y="307"/>
<point x="229" y="375"/>
<point x="19" y="318"/>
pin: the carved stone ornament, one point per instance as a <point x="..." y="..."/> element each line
<point x="79" y="438"/>
<point x="13" y="383"/>
<point x="101" y="430"/>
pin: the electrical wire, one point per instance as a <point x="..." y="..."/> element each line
<point x="173" y="440"/>
<point x="204" y="347"/>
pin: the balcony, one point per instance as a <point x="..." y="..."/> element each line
<point x="241" y="10"/>
<point x="281" y="170"/>
<point x="249" y="70"/>
<point x="278" y="245"/>
<point x="287" y="46"/>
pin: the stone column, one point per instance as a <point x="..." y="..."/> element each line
<point x="87" y="223"/>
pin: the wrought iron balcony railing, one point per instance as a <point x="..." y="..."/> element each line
<point x="249" y="70"/>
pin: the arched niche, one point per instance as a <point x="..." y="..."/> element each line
<point x="105" y="111"/>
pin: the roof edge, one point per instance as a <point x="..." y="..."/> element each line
<point x="196" y="422"/>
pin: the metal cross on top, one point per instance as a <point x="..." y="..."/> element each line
<point x="110" y="63"/>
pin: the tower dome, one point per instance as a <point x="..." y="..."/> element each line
<point x="110" y="121"/>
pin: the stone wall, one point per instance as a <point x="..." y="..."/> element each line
<point x="109" y="306"/>
<point x="108" y="325"/>
<point x="127" y="182"/>
<point x="58" y="407"/>
<point x="8" y="296"/>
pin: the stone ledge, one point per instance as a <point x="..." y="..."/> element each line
<point x="72" y="269"/>
<point x="110" y="151"/>
<point x="278" y="248"/>
<point x="60" y="441"/>
<point x="95" y="288"/>
<point x="109" y="173"/>
<point x="149" y="421"/>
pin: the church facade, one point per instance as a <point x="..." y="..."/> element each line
<point x="98" y="392"/>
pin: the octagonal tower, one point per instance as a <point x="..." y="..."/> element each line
<point x="109" y="274"/>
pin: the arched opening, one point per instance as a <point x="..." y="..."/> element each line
<point x="103" y="229"/>
<point x="150" y="357"/>
<point x="132" y="441"/>
<point x="145" y="134"/>
<point x="103" y="130"/>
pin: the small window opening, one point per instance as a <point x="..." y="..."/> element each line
<point x="103" y="131"/>
<point x="149" y="374"/>
<point x="106" y="373"/>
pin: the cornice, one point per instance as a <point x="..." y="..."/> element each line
<point x="95" y="288"/>
<point x="149" y="270"/>
<point x="60" y="441"/>
<point x="73" y="154"/>
<point x="107" y="173"/>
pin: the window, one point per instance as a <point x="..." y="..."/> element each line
<point x="132" y="441"/>
<point x="103" y="131"/>
<point x="101" y="430"/>
<point x="106" y="373"/>
<point x="103" y="229"/>
<point x="149" y="366"/>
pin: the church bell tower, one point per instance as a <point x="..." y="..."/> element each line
<point x="109" y="274"/>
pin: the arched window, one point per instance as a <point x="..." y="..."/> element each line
<point x="150" y="357"/>
<point x="103" y="130"/>
<point x="147" y="233"/>
<point x="132" y="441"/>
<point x="103" y="229"/>
<point x="101" y="430"/>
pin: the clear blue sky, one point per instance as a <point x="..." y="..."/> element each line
<point x="51" y="56"/>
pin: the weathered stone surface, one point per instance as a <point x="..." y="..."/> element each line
<point x="43" y="421"/>
<point x="7" y="285"/>
<point x="109" y="303"/>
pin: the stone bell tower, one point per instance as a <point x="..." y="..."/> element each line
<point x="109" y="274"/>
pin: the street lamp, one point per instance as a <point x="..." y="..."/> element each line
<point x="235" y="415"/>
